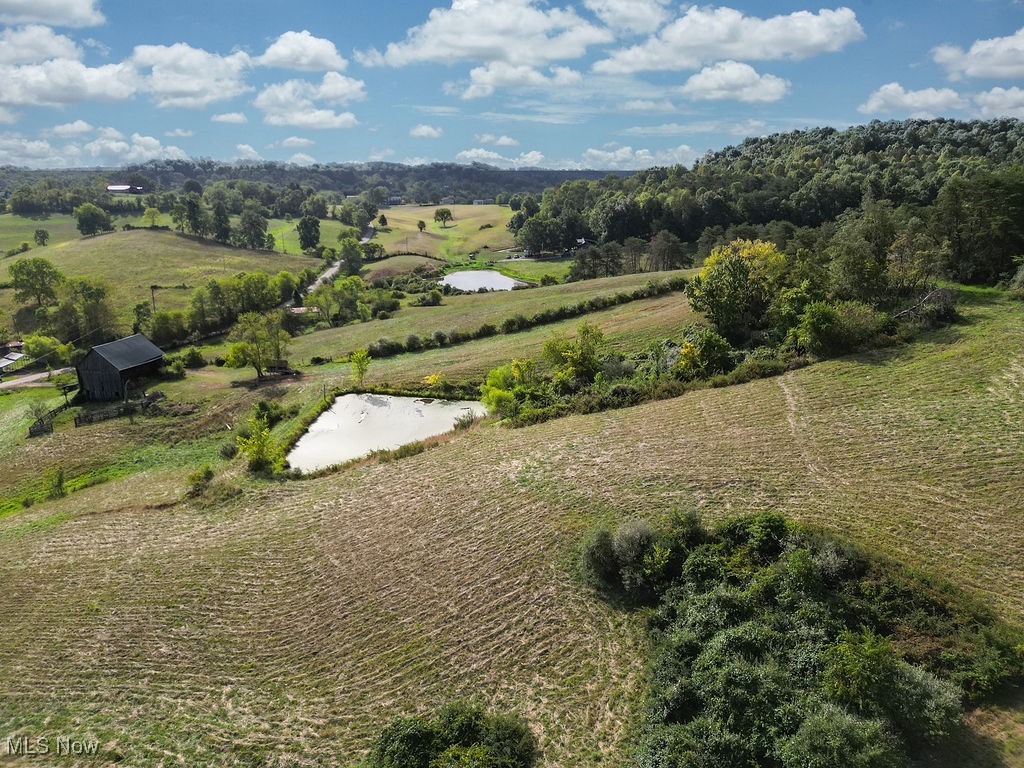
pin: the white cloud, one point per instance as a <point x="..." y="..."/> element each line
<point x="995" y="57"/>
<point x="640" y="16"/>
<point x="111" y="148"/>
<point x="750" y="127"/>
<point x="377" y="155"/>
<point x="529" y="159"/>
<point x="235" y="118"/>
<point x="179" y="133"/>
<point x="7" y="116"/>
<point x="497" y="141"/>
<point x="628" y="159"/>
<point x="18" y="151"/>
<point x="304" y="52"/>
<point x="247" y="152"/>
<point x="484" y="80"/>
<point x="35" y="44"/>
<point x="339" y="89"/>
<point x="183" y="76"/>
<point x="1001" y="102"/>
<point x="424" y="131"/>
<point x="648" y="105"/>
<point x="706" y="34"/>
<point x="517" y="31"/>
<point x="295" y="142"/>
<point x="734" y="80"/>
<point x="75" y="128"/>
<point x="294" y="102"/>
<point x="59" y="13"/>
<point x="927" y="102"/>
<point x="301" y="158"/>
<point x="65" y="81"/>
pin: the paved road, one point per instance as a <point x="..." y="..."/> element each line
<point x="32" y="379"/>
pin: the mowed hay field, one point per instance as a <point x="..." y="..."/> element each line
<point x="466" y="312"/>
<point x="454" y="242"/>
<point x="130" y="262"/>
<point x="285" y="625"/>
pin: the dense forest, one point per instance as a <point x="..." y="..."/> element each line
<point x="954" y="187"/>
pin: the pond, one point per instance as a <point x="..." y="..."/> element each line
<point x="356" y="425"/>
<point x="475" y="279"/>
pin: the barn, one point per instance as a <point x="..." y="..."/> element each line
<point x="106" y="369"/>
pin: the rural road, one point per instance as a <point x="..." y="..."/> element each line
<point x="35" y="379"/>
<point x="332" y="270"/>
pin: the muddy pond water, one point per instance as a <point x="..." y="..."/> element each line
<point x="475" y="279"/>
<point x="356" y="425"/>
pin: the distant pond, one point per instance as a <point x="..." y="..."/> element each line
<point x="475" y="279"/>
<point x="357" y="425"/>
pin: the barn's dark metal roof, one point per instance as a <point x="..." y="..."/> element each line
<point x="129" y="352"/>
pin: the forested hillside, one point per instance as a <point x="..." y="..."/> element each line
<point x="419" y="183"/>
<point x="957" y="188"/>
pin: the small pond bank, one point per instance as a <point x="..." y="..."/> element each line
<point x="357" y="425"/>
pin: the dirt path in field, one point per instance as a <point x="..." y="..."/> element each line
<point x="33" y="379"/>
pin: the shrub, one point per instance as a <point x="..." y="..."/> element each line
<point x="703" y="354"/>
<point x="830" y="737"/>
<point x="833" y="329"/>
<point x="228" y="450"/>
<point x="264" y="456"/>
<point x="598" y="564"/>
<point x="548" y="280"/>
<point x="413" y="343"/>
<point x="429" y="299"/>
<point x="440" y="338"/>
<point x="198" y="481"/>
<point x="514" y="323"/>
<point x="176" y="369"/>
<point x="54" y="483"/>
<point x="460" y="735"/>
<point x="193" y="358"/>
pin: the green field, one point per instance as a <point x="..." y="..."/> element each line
<point x="455" y="242"/>
<point x="398" y="265"/>
<point x="15" y="230"/>
<point x="465" y="312"/>
<point x="293" y="619"/>
<point x="130" y="262"/>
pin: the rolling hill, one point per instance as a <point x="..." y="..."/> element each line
<point x="284" y="624"/>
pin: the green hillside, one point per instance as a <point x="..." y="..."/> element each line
<point x="287" y="622"/>
<point x="133" y="261"/>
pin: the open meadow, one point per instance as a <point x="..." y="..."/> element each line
<point x="130" y="262"/>
<point x="474" y="229"/>
<point x="283" y="623"/>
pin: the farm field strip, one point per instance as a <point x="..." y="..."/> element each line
<point x="297" y="617"/>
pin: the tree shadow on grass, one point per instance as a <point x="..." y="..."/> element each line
<point x="984" y="739"/>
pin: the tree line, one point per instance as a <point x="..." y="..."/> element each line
<point x="957" y="190"/>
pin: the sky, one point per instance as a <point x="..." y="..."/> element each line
<point x="600" y="84"/>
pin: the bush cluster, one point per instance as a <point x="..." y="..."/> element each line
<point x="458" y="734"/>
<point x="775" y="645"/>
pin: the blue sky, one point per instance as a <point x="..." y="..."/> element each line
<point x="607" y="84"/>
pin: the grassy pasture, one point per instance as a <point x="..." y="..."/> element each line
<point x="466" y="312"/>
<point x="454" y="242"/>
<point x="132" y="261"/>
<point x="15" y="230"/>
<point x="291" y="620"/>
<point x="397" y="265"/>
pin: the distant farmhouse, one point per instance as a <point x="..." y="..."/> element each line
<point x="396" y="200"/>
<point x="449" y="200"/>
<point x="107" y="369"/>
<point x="483" y="202"/>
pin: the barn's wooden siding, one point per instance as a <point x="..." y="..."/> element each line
<point x="99" y="380"/>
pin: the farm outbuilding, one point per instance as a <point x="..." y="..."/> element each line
<point x="107" y="369"/>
